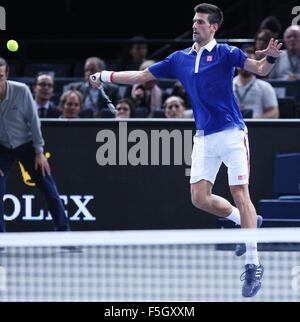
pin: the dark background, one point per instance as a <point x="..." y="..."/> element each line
<point x="96" y="20"/>
<point x="119" y="19"/>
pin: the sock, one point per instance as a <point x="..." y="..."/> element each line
<point x="235" y="216"/>
<point x="251" y="254"/>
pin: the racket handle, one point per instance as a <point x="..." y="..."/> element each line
<point x="109" y="103"/>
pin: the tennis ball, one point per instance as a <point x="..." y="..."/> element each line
<point x="12" y="45"/>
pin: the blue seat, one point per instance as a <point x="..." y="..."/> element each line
<point x="286" y="207"/>
<point x="141" y="112"/>
<point x="287" y="174"/>
<point x="159" y="114"/>
<point x="286" y="88"/>
<point x="287" y="107"/>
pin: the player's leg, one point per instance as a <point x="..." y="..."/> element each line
<point x="202" y="198"/>
<point x="205" y="166"/>
<point x="46" y="185"/>
<point x="6" y="161"/>
<point x="236" y="158"/>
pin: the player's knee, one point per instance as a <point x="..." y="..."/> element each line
<point x="240" y="197"/>
<point x="199" y="201"/>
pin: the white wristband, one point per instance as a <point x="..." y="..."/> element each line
<point x="106" y="76"/>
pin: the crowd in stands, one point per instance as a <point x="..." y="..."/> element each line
<point x="257" y="98"/>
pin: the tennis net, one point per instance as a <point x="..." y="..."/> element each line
<point x="151" y="265"/>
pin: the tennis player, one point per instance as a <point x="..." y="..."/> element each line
<point x="206" y="71"/>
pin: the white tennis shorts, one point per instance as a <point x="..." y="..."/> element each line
<point x="231" y="147"/>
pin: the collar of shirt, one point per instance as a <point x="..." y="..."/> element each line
<point x="8" y="90"/>
<point x="210" y="46"/>
<point x="46" y="106"/>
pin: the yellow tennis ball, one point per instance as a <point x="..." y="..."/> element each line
<point x="12" y="45"/>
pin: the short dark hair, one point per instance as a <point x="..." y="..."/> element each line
<point x="3" y="62"/>
<point x="43" y="74"/>
<point x="130" y="103"/>
<point x="215" y="15"/>
<point x="100" y="62"/>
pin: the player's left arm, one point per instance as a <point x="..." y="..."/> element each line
<point x="264" y="66"/>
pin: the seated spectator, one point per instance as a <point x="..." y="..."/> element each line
<point x="273" y="24"/>
<point x="152" y="96"/>
<point x="43" y="91"/>
<point x="92" y="99"/>
<point x="287" y="66"/>
<point x="138" y="96"/>
<point x="174" y="107"/>
<point x="134" y="55"/>
<point x="71" y="104"/>
<point x="125" y="108"/>
<point x="179" y="90"/>
<point x="262" y="40"/>
<point x="255" y="94"/>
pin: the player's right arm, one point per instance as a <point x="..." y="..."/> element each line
<point x="125" y="77"/>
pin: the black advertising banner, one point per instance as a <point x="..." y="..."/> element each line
<point x="114" y="175"/>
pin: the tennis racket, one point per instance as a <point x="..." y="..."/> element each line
<point x="108" y="101"/>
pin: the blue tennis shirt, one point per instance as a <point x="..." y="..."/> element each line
<point x="207" y="77"/>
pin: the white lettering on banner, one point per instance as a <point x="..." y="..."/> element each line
<point x="2" y="18"/>
<point x="24" y="208"/>
<point x="17" y="207"/>
<point x="140" y="148"/>
<point x="82" y="209"/>
<point x="296" y="11"/>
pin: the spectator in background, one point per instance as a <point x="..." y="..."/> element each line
<point x="92" y="99"/>
<point x="174" y="107"/>
<point x="133" y="56"/>
<point x="178" y="90"/>
<point x="287" y="66"/>
<point x="71" y="104"/>
<point x="262" y="39"/>
<point x="152" y="92"/>
<point x="273" y="24"/>
<point x="255" y="94"/>
<point x="138" y="96"/>
<point x="43" y="92"/>
<point x="125" y="108"/>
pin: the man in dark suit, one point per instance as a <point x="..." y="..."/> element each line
<point x="92" y="99"/>
<point x="43" y="91"/>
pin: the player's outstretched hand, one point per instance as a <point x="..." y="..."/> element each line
<point x="42" y="162"/>
<point x="1" y="173"/>
<point x="95" y="80"/>
<point x="272" y="50"/>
